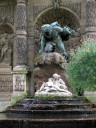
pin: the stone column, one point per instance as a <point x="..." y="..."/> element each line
<point x="21" y="33"/>
<point x="91" y="18"/>
<point x="21" y="69"/>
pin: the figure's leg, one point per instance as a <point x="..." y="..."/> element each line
<point x="42" y="44"/>
<point x="42" y="87"/>
<point x="60" y="46"/>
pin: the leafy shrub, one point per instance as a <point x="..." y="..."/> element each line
<point x="82" y="67"/>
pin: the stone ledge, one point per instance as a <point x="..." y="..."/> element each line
<point x="91" y="95"/>
<point x="21" y="69"/>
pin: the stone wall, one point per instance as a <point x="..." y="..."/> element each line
<point x="7" y="17"/>
<point x="23" y="19"/>
<point x="40" y="12"/>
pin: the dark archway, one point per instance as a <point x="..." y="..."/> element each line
<point x="5" y="28"/>
<point x="65" y="17"/>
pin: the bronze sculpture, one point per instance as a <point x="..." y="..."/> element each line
<point x="55" y="34"/>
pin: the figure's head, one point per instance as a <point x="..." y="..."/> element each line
<point x="56" y="76"/>
<point x="46" y="30"/>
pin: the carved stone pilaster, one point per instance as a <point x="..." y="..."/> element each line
<point x="21" y="50"/>
<point x="91" y="18"/>
<point x="21" y="22"/>
<point x="90" y="13"/>
<point x="21" y="69"/>
<point x="21" y="33"/>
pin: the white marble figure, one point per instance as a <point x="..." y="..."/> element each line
<point x="55" y="86"/>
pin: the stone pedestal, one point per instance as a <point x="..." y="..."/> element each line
<point x="21" y="69"/>
<point x="20" y="80"/>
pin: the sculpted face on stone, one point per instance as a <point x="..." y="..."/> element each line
<point x="56" y="76"/>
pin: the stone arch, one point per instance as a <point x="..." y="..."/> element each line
<point x="6" y="28"/>
<point x="64" y="16"/>
<point x="61" y="8"/>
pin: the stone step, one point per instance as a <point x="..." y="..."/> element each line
<point x="51" y="113"/>
<point x="52" y="106"/>
<point x="54" y="100"/>
<point x="86" y="122"/>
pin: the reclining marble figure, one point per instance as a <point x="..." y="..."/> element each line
<point x="55" y="86"/>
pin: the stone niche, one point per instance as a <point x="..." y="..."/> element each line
<point x="6" y="57"/>
<point x="6" y="51"/>
<point x="6" y="36"/>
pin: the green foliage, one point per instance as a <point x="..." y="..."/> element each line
<point x="16" y="99"/>
<point x="37" y="57"/>
<point x="50" y="97"/>
<point x="91" y="99"/>
<point x="82" y="66"/>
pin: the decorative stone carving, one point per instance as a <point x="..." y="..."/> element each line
<point x="5" y="48"/>
<point x="19" y="83"/>
<point x="7" y="13"/>
<point x="6" y="84"/>
<point x="76" y="7"/>
<point x="54" y="87"/>
<point x="21" y="50"/>
<point x="20" y="71"/>
<point x="21" y="39"/>
<point x="90" y="13"/>
<point x="56" y="3"/>
<point x="37" y="8"/>
<point x="21" y="16"/>
<point x="20" y="80"/>
<point x="91" y="18"/>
